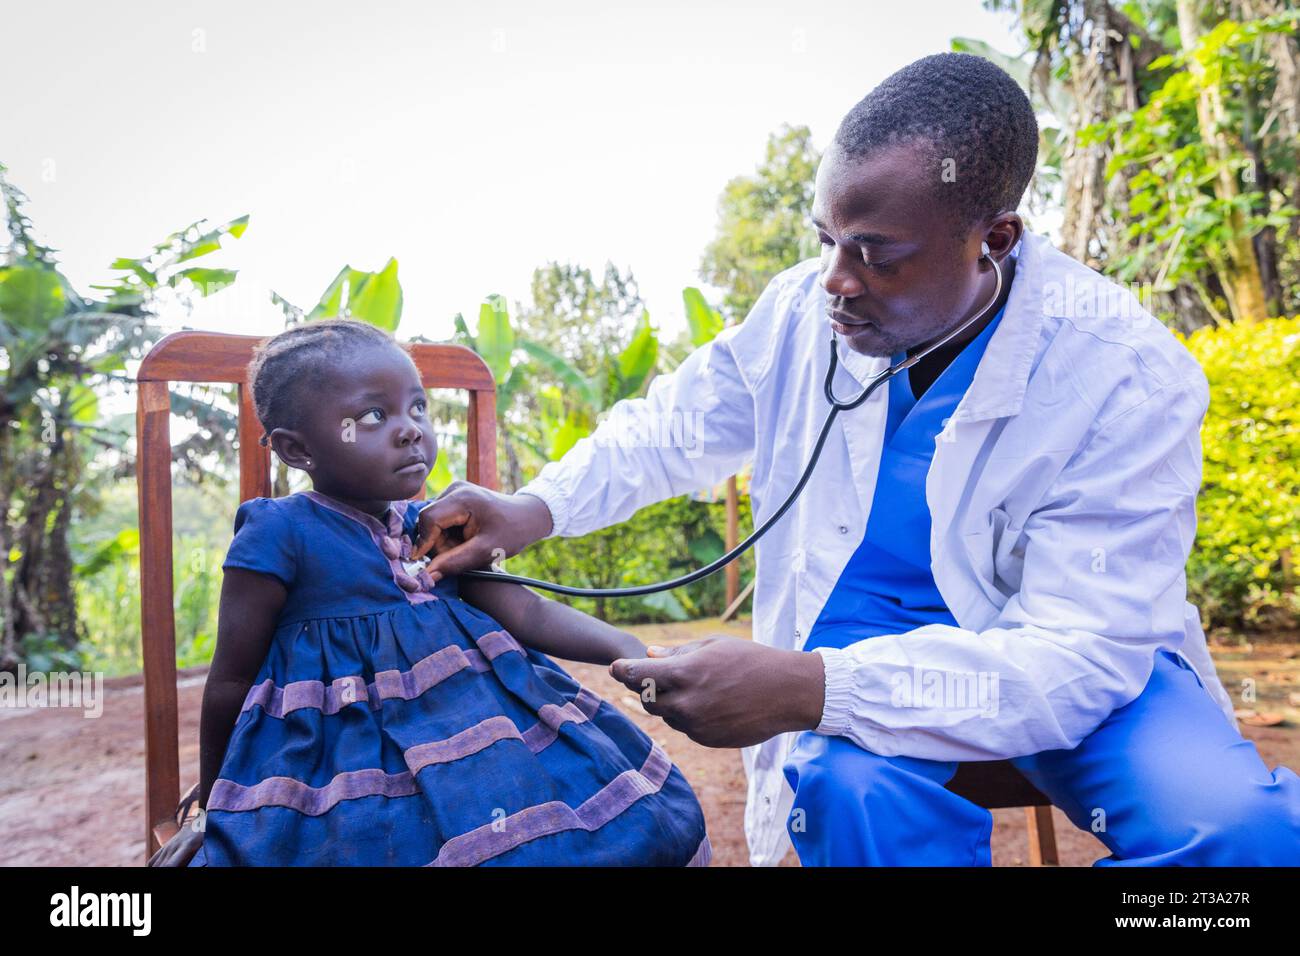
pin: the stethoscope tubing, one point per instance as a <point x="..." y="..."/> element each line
<point x="836" y="407"/>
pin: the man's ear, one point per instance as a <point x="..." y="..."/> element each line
<point x="290" y="447"/>
<point x="1002" y="234"/>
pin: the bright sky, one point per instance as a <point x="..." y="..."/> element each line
<point x="474" y="142"/>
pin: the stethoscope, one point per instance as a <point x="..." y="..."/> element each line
<point x="836" y="407"/>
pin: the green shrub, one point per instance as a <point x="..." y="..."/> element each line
<point x="108" y="600"/>
<point x="661" y="541"/>
<point x="1249" y="506"/>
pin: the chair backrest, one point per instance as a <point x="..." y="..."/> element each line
<point x="217" y="357"/>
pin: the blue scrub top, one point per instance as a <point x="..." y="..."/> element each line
<point x="887" y="586"/>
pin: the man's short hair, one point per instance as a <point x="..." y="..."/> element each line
<point x="973" y="121"/>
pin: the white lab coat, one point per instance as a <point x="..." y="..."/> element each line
<point x="1062" y="495"/>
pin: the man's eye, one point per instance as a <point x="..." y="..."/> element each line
<point x="826" y="240"/>
<point x="367" y="418"/>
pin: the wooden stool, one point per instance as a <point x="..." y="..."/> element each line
<point x="993" y="784"/>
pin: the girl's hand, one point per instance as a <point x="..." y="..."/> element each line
<point x="180" y="849"/>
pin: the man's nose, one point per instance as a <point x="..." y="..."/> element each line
<point x="838" y="277"/>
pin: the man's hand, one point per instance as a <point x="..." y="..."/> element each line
<point x="728" y="692"/>
<point x="468" y="526"/>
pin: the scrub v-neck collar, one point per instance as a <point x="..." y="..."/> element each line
<point x="948" y="386"/>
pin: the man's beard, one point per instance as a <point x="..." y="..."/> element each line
<point x="877" y="343"/>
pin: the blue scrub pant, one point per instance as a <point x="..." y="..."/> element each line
<point x="1162" y="781"/>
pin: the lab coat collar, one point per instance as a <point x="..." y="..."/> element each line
<point x="998" y="388"/>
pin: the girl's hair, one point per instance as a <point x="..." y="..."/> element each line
<point x="284" y="365"/>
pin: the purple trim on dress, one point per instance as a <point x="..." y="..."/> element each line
<point x="387" y="685"/>
<point x="495" y="643"/>
<point x="471" y="741"/>
<point x="543" y="819"/>
<point x="286" y="792"/>
<point x="703" y="854"/>
<point x="426" y="673"/>
<point x="582" y="708"/>
<point x="418" y="588"/>
<point x="313" y="801"/>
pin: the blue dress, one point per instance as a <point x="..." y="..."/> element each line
<point x="394" y="724"/>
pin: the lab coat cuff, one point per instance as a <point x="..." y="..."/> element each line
<point x="838" y="708"/>
<point x="555" y="501"/>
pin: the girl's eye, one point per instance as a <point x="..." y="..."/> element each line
<point x="366" y="419"/>
<point x="421" y="405"/>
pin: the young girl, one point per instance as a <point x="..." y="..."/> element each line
<point x="359" y="712"/>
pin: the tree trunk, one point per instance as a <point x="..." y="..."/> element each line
<point x="9" y="658"/>
<point x="1240" y="271"/>
<point x="1083" y="167"/>
<point x="1104" y="66"/>
<point x="44" y="602"/>
<point x="1283" y="52"/>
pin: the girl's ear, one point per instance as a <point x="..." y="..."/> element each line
<point x="291" y="448"/>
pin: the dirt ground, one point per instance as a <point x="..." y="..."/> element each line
<point x="72" y="788"/>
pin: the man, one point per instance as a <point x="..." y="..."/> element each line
<point x="988" y="559"/>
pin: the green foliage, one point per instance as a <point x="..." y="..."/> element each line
<point x="703" y="320"/>
<point x="763" y="221"/>
<point x="496" y="339"/>
<point x="583" y="389"/>
<point x="108" y="596"/>
<point x="1249" y="507"/>
<point x="1186" y="184"/>
<point x="1177" y="223"/>
<point x="661" y="541"/>
<point x="374" y="297"/>
<point x="632" y="366"/>
<point x="159" y="270"/>
<point x="566" y="401"/>
<point x="47" y="651"/>
<point x="563" y="405"/>
<point x="60" y="351"/>
<point x="580" y="317"/>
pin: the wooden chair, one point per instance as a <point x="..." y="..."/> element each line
<point x="994" y="784"/>
<point x="216" y="357"/>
